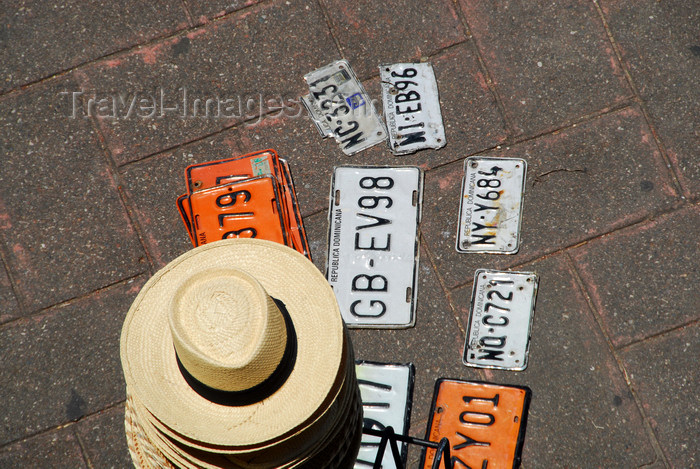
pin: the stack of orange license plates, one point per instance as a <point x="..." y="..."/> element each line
<point x="249" y="196"/>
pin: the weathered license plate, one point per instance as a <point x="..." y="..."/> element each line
<point x="249" y="208"/>
<point x="340" y="107"/>
<point x="484" y="422"/>
<point x="500" y="319"/>
<point x="411" y="107"/>
<point x="211" y="176"/>
<point x="491" y="205"/>
<point x="372" y="244"/>
<point x="387" y="392"/>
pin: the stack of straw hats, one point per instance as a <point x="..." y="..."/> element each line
<point x="235" y="356"/>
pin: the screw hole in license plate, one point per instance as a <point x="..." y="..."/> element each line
<point x="337" y="197"/>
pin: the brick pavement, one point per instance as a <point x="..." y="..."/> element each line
<point x="601" y="97"/>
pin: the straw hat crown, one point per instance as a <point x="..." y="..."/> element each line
<point x="227" y="331"/>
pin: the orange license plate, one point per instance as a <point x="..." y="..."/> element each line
<point x="215" y="173"/>
<point x="204" y="176"/>
<point x="245" y="209"/>
<point x="484" y="422"/>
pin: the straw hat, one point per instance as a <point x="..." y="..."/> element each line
<point x="235" y="355"/>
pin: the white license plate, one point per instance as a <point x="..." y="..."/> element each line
<point x="372" y="244"/>
<point x="340" y="107"/>
<point x="387" y="392"/>
<point x="411" y="107"/>
<point x="500" y="318"/>
<point x="491" y="205"/>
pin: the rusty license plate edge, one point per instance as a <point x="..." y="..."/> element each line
<point x="203" y="176"/>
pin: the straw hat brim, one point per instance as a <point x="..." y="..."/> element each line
<point x="149" y="360"/>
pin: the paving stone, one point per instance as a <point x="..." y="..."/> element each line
<point x="312" y="158"/>
<point x="433" y="346"/>
<point x="9" y="308"/>
<point x="65" y="227"/>
<point x="104" y="439"/>
<point x="57" y="449"/>
<point x="202" y="11"/>
<point x="62" y="365"/>
<point x="275" y="45"/>
<point x="581" y="182"/>
<point x="34" y="47"/>
<point x="153" y="185"/>
<point x="551" y="61"/>
<point x="659" y="43"/>
<point x="643" y="280"/>
<point x="371" y="33"/>
<point x="578" y="391"/>
<point x="664" y="373"/>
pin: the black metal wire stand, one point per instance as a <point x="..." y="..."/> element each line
<point x="387" y="435"/>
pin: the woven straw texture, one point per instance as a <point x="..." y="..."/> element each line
<point x="334" y="447"/>
<point x="214" y="306"/>
<point x="149" y="361"/>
